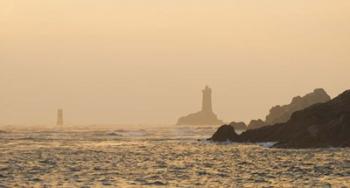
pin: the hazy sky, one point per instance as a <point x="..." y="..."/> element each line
<point x="146" y="61"/>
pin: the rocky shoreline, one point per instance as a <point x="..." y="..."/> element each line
<point x="318" y="126"/>
<point x="282" y="113"/>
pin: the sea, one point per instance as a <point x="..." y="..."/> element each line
<point x="160" y="156"/>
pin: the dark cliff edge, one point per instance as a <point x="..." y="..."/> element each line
<point x="239" y="125"/>
<point x="320" y="125"/>
<point x="282" y="113"/>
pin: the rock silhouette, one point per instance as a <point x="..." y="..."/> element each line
<point x="281" y="114"/>
<point x="239" y="125"/>
<point x="204" y="117"/>
<point x="320" y="125"/>
<point x="225" y="133"/>
<point x="255" y="124"/>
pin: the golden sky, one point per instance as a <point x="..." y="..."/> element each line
<point x="146" y="61"/>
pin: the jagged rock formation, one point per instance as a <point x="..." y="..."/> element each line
<point x="204" y="117"/>
<point x="225" y="133"/>
<point x="255" y="124"/>
<point x="239" y="125"/>
<point x="281" y="114"/>
<point x="321" y="125"/>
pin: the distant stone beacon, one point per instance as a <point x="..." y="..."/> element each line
<point x="204" y="117"/>
<point x="59" y="118"/>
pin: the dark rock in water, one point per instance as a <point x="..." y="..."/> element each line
<point x="204" y="117"/>
<point x="255" y="124"/>
<point x="320" y="125"/>
<point x="239" y="125"/>
<point x="281" y="114"/>
<point x="225" y="133"/>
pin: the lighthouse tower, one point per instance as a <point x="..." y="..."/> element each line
<point x="59" y="118"/>
<point x="204" y="117"/>
<point x="207" y="104"/>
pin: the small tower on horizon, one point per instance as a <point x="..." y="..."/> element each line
<point x="59" y="117"/>
<point x="207" y="104"/>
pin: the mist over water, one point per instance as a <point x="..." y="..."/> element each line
<point x="137" y="67"/>
<point x="145" y="61"/>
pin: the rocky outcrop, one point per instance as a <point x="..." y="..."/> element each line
<point x="239" y="125"/>
<point x="225" y="133"/>
<point x="255" y="124"/>
<point x="320" y="125"/>
<point x="281" y="114"/>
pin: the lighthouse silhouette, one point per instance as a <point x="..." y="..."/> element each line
<point x="204" y="117"/>
<point x="206" y="103"/>
<point x="59" y="118"/>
